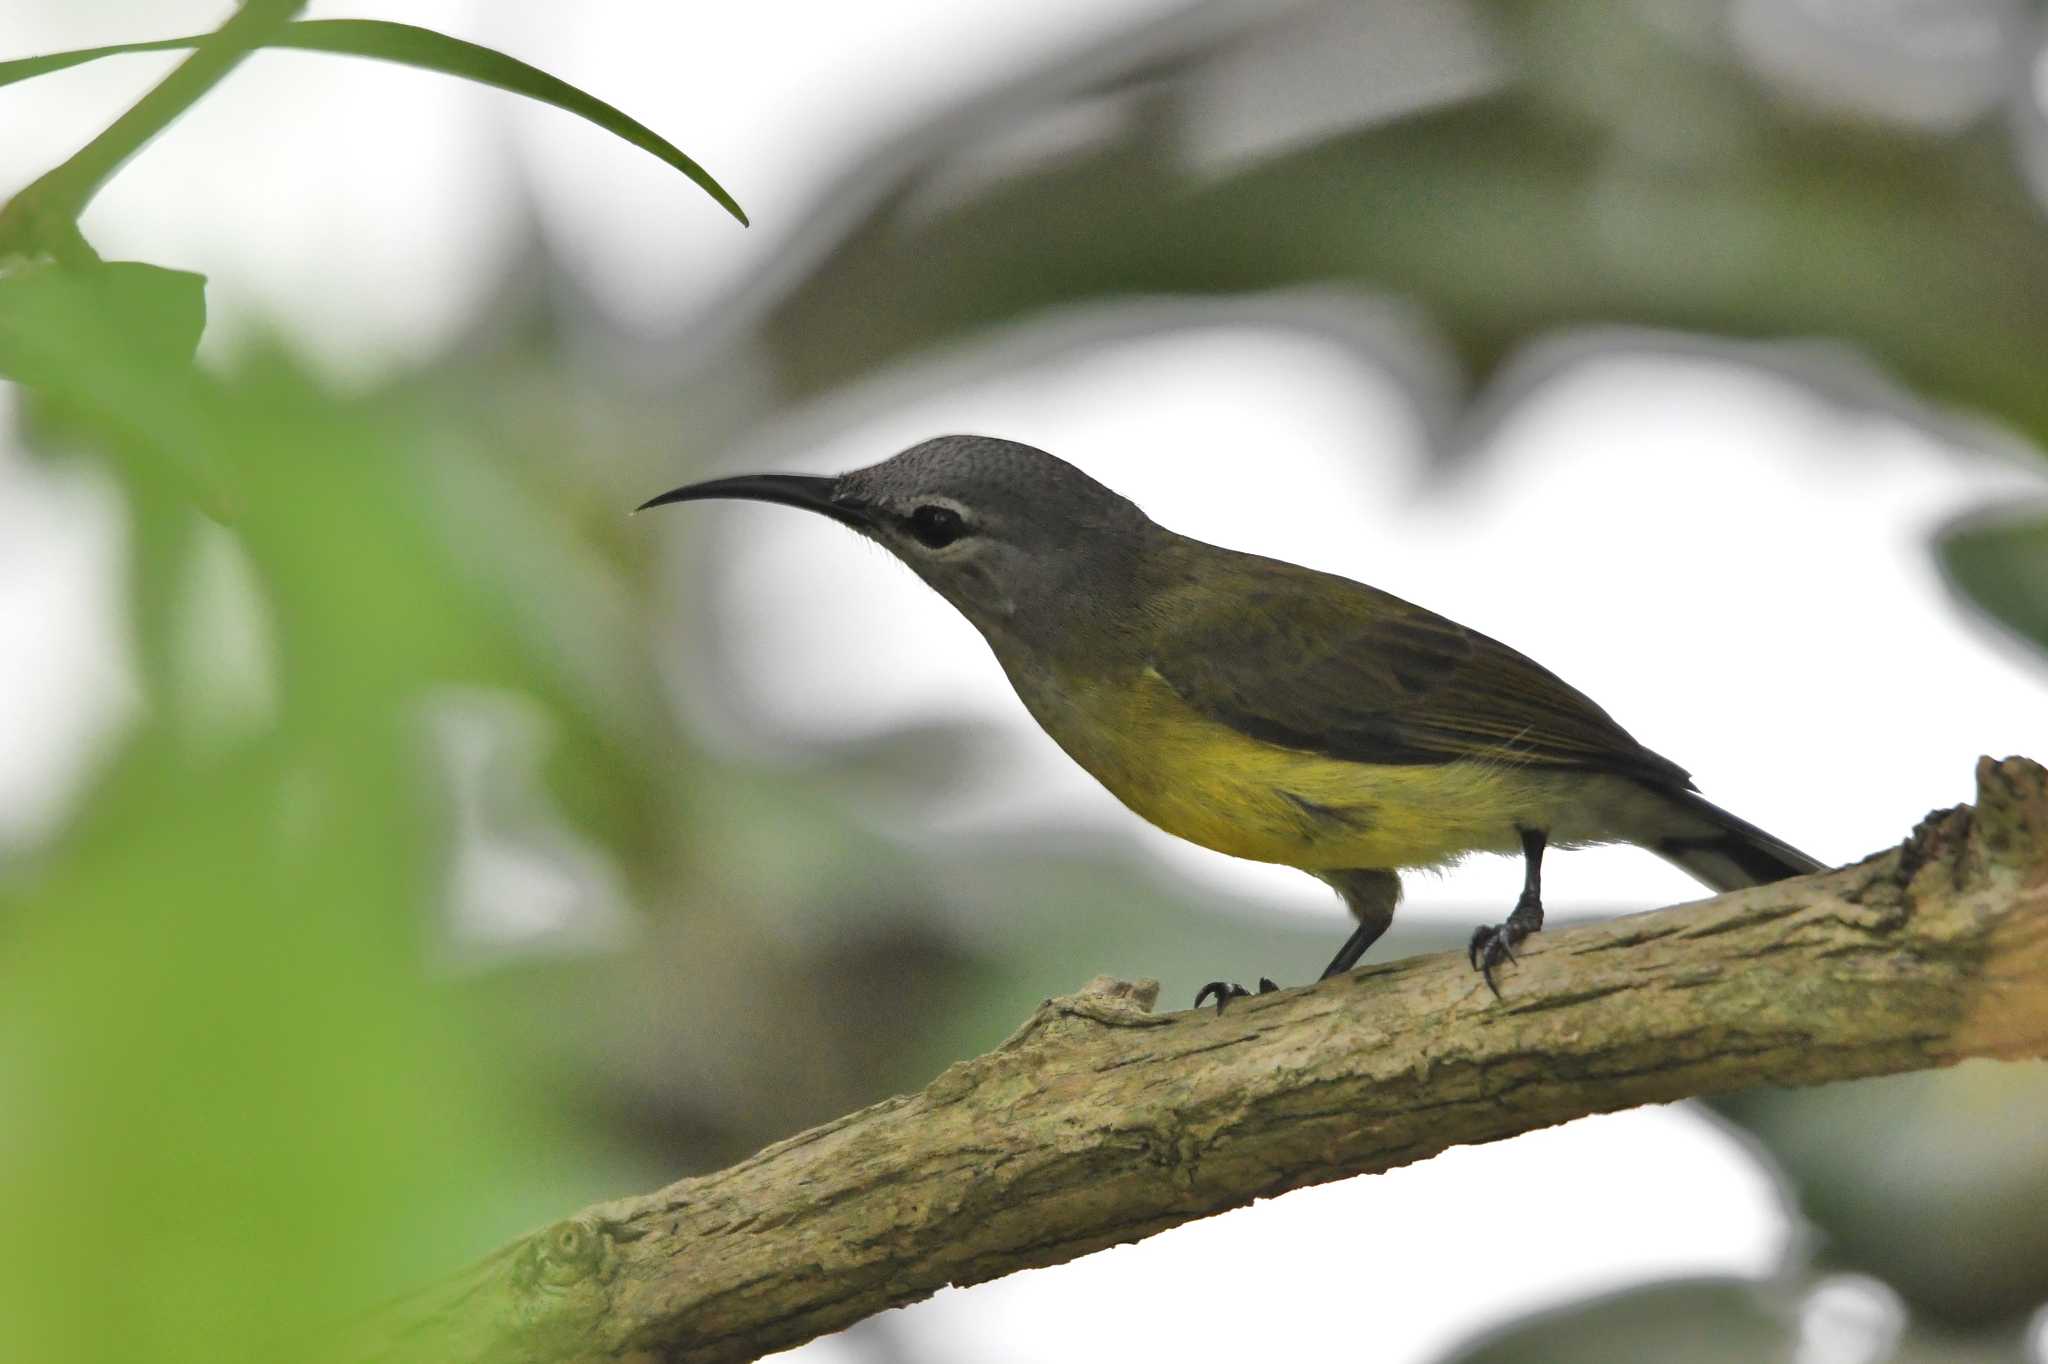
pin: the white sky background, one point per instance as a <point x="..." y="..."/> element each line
<point x="1666" y="534"/>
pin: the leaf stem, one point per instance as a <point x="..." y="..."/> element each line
<point x="43" y="217"/>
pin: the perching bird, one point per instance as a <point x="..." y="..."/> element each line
<point x="1267" y="710"/>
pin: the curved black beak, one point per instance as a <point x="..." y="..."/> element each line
<point x="789" y="490"/>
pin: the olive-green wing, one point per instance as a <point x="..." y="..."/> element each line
<point x="1322" y="664"/>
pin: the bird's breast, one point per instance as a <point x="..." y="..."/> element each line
<point x="1203" y="781"/>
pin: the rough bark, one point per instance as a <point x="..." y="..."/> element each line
<point x="1099" y="1122"/>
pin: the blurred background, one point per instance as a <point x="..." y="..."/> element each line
<point x="401" y="846"/>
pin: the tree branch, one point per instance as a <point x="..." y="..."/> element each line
<point x="1098" y="1122"/>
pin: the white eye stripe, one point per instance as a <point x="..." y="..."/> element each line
<point x="910" y="506"/>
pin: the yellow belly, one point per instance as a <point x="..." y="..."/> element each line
<point x="1211" y="785"/>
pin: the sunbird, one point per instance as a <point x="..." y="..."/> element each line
<point x="1267" y="710"/>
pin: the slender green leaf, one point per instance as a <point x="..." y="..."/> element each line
<point x="409" y="45"/>
<point x="1999" y="561"/>
<point x="27" y="68"/>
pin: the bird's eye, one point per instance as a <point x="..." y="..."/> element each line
<point x="936" y="527"/>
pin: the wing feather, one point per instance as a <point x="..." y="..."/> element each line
<point x="1309" y="661"/>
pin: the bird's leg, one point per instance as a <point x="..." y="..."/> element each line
<point x="1496" y="943"/>
<point x="1370" y="893"/>
<point x="1354" y="947"/>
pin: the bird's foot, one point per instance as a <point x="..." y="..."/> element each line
<point x="1227" y="990"/>
<point x="1493" y="944"/>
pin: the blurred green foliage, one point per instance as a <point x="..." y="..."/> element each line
<point x="234" y="1107"/>
<point x="1695" y="1321"/>
<point x="2000" y="563"/>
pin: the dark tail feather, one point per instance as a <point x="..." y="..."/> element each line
<point x="1730" y="853"/>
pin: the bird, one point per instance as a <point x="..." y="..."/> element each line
<point x="1267" y="710"/>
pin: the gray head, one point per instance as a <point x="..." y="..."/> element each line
<point x="1005" y="532"/>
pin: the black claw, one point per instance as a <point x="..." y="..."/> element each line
<point x="1227" y="990"/>
<point x="1489" y="948"/>
<point x="1493" y="944"/>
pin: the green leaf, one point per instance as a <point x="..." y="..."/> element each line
<point x="106" y="350"/>
<point x="1998" y="560"/>
<point x="410" y="45"/>
<point x="28" y="68"/>
<point x="157" y="311"/>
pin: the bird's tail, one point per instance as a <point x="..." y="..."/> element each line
<point x="1727" y="853"/>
